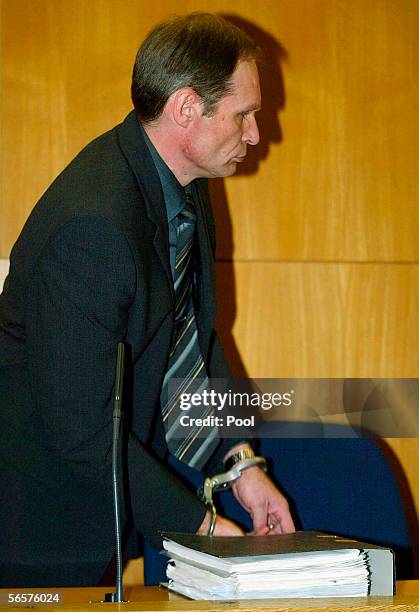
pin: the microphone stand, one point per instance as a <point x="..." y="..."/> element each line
<point x="117" y="414"/>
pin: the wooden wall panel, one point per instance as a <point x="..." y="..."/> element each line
<point x="58" y="92"/>
<point x="321" y="320"/>
<point x="333" y="179"/>
<point x="342" y="183"/>
<point x="410" y="450"/>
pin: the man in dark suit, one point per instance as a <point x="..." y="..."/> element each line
<point x="95" y="265"/>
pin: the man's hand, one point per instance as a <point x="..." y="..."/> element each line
<point x="223" y="526"/>
<point x="258" y="495"/>
<point x="255" y="491"/>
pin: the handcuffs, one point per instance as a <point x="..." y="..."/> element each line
<point x="235" y="465"/>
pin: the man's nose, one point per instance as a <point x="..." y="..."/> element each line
<point x="251" y="131"/>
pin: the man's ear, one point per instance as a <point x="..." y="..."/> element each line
<point x="186" y="106"/>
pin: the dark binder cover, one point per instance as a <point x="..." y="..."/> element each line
<point x="298" y="542"/>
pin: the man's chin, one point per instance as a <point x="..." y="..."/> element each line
<point x="228" y="169"/>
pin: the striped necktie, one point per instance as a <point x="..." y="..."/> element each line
<point x="186" y="364"/>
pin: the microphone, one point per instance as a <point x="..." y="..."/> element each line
<point x="117" y="415"/>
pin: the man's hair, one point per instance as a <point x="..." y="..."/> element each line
<point x="200" y="51"/>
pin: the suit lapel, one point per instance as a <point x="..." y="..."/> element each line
<point x="205" y="267"/>
<point x="137" y="154"/>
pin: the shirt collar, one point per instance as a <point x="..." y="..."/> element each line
<point x="174" y="193"/>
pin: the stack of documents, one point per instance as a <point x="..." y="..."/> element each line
<point x="303" y="564"/>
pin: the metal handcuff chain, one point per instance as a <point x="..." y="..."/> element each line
<point x="222" y="482"/>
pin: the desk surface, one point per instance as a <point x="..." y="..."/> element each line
<point x="155" y="599"/>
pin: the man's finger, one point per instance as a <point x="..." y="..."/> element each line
<point x="286" y="523"/>
<point x="262" y="531"/>
<point x="260" y="518"/>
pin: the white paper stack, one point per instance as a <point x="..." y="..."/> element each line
<point x="338" y="571"/>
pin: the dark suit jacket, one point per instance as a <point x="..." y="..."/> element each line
<point x="91" y="268"/>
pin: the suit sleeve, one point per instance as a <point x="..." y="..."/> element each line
<point x="218" y="368"/>
<point x="81" y="292"/>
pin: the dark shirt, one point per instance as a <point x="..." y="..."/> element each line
<point x="174" y="196"/>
